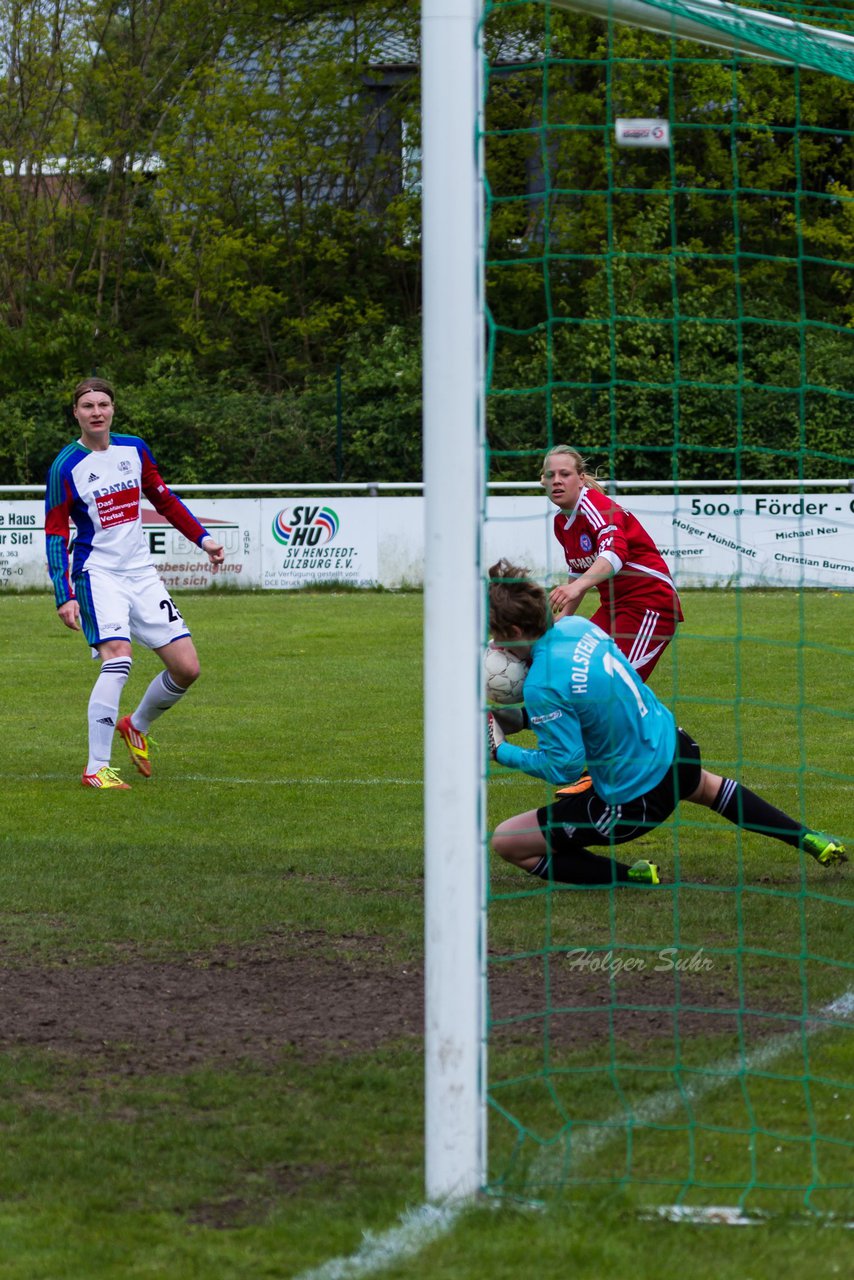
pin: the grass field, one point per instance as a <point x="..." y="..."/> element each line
<point x="211" y="1061"/>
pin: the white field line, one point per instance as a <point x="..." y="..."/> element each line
<point x="211" y="780"/>
<point x="300" y="782"/>
<point x="420" y="1227"/>
<point x="695" y="1088"/>
<point x="236" y="782"/>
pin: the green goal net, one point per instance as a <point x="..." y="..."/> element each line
<point x="669" y="258"/>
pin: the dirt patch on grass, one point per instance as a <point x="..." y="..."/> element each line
<point x="314" y="996"/>
<point x="255" y="1003"/>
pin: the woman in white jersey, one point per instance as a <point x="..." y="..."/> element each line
<point x="111" y="588"/>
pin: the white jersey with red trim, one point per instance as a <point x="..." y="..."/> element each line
<point x="101" y="491"/>
<point x="598" y="526"/>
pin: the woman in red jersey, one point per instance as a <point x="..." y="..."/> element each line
<point x="608" y="548"/>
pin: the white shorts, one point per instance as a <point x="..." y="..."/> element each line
<point x="128" y="606"/>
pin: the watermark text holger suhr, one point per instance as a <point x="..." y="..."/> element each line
<point x="667" y="960"/>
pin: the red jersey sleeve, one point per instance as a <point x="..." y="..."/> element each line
<point x="167" y="503"/>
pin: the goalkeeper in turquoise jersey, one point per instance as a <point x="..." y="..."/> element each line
<point x="587" y="706"/>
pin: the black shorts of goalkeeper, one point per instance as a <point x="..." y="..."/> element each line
<point x="581" y="818"/>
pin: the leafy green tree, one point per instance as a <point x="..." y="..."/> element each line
<point x="668" y="310"/>
<point x="204" y="200"/>
<point x="219" y="178"/>
<point x="284" y="227"/>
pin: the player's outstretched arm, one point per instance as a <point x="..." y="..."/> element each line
<point x="566" y="598"/>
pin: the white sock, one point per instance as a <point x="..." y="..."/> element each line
<point x="104" y="710"/>
<point x="160" y="695"/>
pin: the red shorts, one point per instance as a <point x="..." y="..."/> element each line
<point x="641" y="634"/>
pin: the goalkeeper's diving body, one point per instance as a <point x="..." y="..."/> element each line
<point x="585" y="703"/>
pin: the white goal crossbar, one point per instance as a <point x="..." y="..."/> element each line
<point x="728" y="26"/>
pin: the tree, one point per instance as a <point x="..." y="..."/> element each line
<point x="285" y="228"/>
<point x="686" y="309"/>
<point x="222" y="177"/>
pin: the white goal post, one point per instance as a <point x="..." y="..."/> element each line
<point x="454" y="871"/>
<point x="454" y="629"/>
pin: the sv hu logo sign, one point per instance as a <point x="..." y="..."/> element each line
<point x="305" y="526"/>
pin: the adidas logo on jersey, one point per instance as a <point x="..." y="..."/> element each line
<point x="92" y="477"/>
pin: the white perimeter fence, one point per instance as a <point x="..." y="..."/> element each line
<point x="711" y="533"/>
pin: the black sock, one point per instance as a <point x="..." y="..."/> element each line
<point x="581" y="867"/>
<point x="746" y="809"/>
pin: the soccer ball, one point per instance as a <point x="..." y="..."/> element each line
<point x="505" y="676"/>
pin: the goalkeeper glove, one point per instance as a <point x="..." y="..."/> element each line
<point x="494" y="735"/>
<point x="511" y="719"/>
